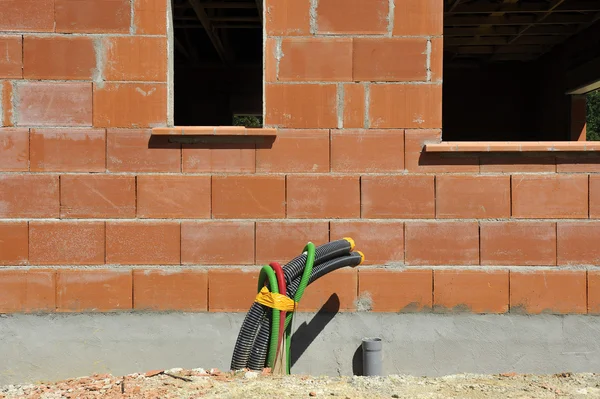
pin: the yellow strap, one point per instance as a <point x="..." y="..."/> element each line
<point x="275" y="301"/>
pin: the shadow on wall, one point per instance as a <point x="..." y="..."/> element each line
<point x="212" y="143"/>
<point x="307" y="333"/>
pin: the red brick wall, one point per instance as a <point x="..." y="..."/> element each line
<point x="98" y="216"/>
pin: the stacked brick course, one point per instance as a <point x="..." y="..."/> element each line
<point x="99" y="215"/>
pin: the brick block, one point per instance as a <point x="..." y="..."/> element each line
<point x="132" y="243"/>
<point x="14" y="241"/>
<point x="508" y="163"/>
<point x="53" y="104"/>
<point x="93" y="290"/>
<point x="185" y="290"/>
<point x="405" y="106"/>
<point x="558" y="291"/>
<point x="7" y="106"/>
<point x="375" y="151"/>
<point x="395" y="291"/>
<point x="417" y="160"/>
<point x="27" y="291"/>
<point x="67" y="150"/>
<point x="219" y="158"/>
<point x="14" y="150"/>
<point x="557" y="196"/>
<point x="135" y="58"/>
<point x="470" y="291"/>
<point x="130" y="105"/>
<point x="97" y="196"/>
<point x="323" y="196"/>
<point x="287" y="17"/>
<point x="594" y="196"/>
<point x="29" y="196"/>
<point x="283" y="241"/>
<point x="436" y="59"/>
<point x="352" y="16"/>
<point x="271" y="63"/>
<point x="354" y="105"/>
<point x="593" y="287"/>
<point x="442" y="243"/>
<point x="58" y="57"/>
<point x="418" y="18"/>
<point x="217" y="243"/>
<point x="477" y="197"/>
<point x="519" y="244"/>
<point x="239" y="197"/>
<point x="391" y="60"/>
<point x="27" y="16"/>
<point x="577" y="243"/>
<point x="384" y="197"/>
<point x="66" y="243"/>
<point x="132" y="151"/>
<point x="381" y="242"/>
<point x="231" y="290"/>
<point x="309" y="59"/>
<point x="173" y="196"/>
<point x="150" y="17"/>
<point x="332" y="293"/>
<point x="295" y="151"/>
<point x="92" y="16"/>
<point x="11" y="64"/>
<point x="302" y="106"/>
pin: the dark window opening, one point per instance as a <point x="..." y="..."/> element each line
<point x="515" y="69"/>
<point x="218" y="53"/>
<point x="593" y="115"/>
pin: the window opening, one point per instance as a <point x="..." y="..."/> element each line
<point x="512" y="68"/>
<point x="218" y="69"/>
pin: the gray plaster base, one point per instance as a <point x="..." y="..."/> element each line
<point x="51" y="347"/>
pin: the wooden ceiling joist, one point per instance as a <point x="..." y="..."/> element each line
<point x="224" y="54"/>
<point x="500" y="40"/>
<point x="553" y="19"/>
<point x="510" y="8"/>
<point x="513" y="29"/>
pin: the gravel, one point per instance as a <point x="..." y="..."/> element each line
<point x="200" y="383"/>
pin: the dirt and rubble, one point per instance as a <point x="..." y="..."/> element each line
<point x="200" y="383"/>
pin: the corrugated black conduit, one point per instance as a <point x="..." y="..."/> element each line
<point x="258" y="355"/>
<point x="245" y="346"/>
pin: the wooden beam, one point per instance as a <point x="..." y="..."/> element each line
<point x="193" y="49"/>
<point x="525" y="40"/>
<point x="479" y="31"/>
<point x="509" y="31"/>
<point x="222" y="4"/>
<point x="475" y="41"/>
<point x="500" y="40"/>
<point x="530" y="49"/>
<point x="220" y="25"/>
<point x="212" y="35"/>
<point x="259" y="6"/>
<point x="528" y="20"/>
<point x="234" y="19"/>
<point x="543" y="17"/>
<point x="179" y="46"/>
<point x="513" y="57"/>
<point x="488" y="8"/>
<point x="454" y="5"/>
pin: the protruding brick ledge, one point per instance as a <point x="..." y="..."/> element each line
<point x="212" y="131"/>
<point x="513" y="146"/>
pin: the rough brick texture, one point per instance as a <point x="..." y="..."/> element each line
<point x="126" y="219"/>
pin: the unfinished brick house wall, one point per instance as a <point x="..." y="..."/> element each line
<point x="101" y="214"/>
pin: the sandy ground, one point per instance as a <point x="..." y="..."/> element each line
<point x="197" y="383"/>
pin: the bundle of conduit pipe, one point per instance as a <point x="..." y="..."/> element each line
<point x="266" y="332"/>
